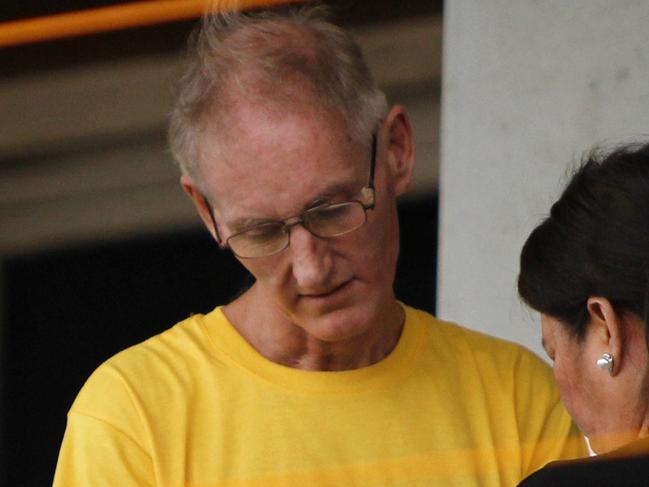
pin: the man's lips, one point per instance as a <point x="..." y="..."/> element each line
<point x="329" y="292"/>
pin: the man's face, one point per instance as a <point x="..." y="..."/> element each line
<point x="277" y="163"/>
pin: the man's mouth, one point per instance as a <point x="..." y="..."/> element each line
<point x="330" y="292"/>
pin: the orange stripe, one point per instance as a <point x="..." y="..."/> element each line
<point x="116" y="17"/>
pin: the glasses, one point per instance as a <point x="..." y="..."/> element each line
<point x="323" y="221"/>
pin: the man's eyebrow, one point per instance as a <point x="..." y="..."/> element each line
<point x="243" y="223"/>
<point x="329" y="192"/>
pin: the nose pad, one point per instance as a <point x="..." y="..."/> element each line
<point x="311" y="259"/>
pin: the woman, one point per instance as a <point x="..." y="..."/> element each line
<point x="585" y="268"/>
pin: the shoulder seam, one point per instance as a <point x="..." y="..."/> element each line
<point x="111" y="426"/>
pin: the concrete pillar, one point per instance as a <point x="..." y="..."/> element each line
<point x="527" y="87"/>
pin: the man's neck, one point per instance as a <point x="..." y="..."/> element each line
<point x="286" y="343"/>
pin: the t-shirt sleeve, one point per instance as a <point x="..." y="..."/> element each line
<point x="547" y="431"/>
<point x="105" y="443"/>
<point x="95" y="453"/>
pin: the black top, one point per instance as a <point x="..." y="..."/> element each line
<point x="626" y="467"/>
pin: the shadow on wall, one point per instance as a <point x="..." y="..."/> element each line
<point x="67" y="311"/>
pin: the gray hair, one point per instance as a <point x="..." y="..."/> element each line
<point x="296" y="45"/>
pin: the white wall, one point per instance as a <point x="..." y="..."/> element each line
<point x="527" y="87"/>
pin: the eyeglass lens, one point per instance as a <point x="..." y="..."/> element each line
<point x="325" y="221"/>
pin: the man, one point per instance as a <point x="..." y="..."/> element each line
<point x="316" y="375"/>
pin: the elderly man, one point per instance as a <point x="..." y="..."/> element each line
<point x="316" y="375"/>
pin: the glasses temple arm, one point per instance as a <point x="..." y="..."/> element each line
<point x="211" y="212"/>
<point x="368" y="191"/>
<point x="370" y="183"/>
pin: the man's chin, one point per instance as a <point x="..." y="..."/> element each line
<point x="335" y="325"/>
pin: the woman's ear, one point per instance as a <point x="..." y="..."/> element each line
<point x="203" y="208"/>
<point x="400" y="149"/>
<point x="607" y="329"/>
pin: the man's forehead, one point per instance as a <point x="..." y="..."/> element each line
<point x="278" y="189"/>
<point x="248" y="99"/>
<point x="277" y="156"/>
<point x="259" y="197"/>
<point x="267" y="139"/>
<point x="255" y="111"/>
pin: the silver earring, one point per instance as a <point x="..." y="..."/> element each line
<point x="605" y="362"/>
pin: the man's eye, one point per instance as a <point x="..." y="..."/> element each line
<point x="262" y="232"/>
<point x="332" y="212"/>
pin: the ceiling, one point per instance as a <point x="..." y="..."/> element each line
<point x="157" y="39"/>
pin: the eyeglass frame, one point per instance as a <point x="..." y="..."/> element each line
<point x="368" y="193"/>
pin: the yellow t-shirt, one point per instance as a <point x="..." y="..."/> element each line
<point x="198" y="406"/>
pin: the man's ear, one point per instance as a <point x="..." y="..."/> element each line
<point x="400" y="149"/>
<point x="607" y="328"/>
<point x="201" y="204"/>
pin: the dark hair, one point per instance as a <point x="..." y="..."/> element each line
<point x="594" y="243"/>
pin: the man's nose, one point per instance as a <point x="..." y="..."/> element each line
<point x="312" y="261"/>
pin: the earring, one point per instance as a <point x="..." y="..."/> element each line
<point x="606" y="362"/>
